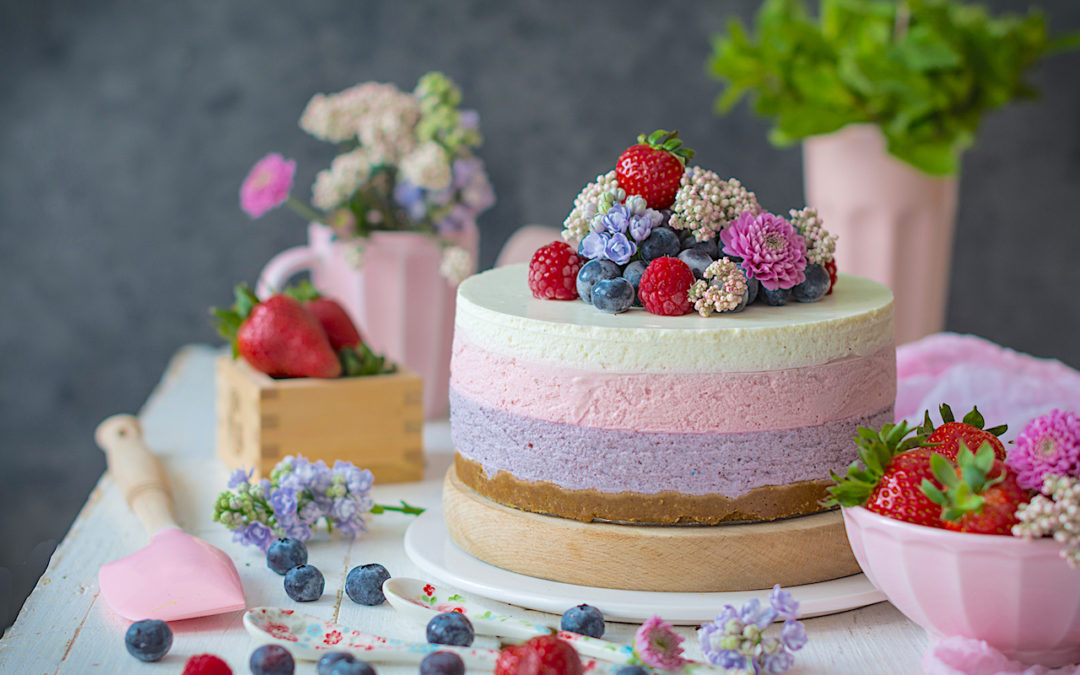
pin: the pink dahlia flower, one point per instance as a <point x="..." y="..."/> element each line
<point x="772" y="250"/>
<point x="268" y="185"/>
<point x="1048" y="445"/>
<point x="658" y="646"/>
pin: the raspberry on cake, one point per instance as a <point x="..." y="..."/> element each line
<point x="553" y="272"/>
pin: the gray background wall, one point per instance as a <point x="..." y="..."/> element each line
<point x="126" y="128"/>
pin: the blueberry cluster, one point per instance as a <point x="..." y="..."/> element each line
<point x="613" y="287"/>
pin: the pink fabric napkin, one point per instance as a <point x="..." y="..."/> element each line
<point x="964" y="370"/>
<point x="1009" y="387"/>
<point x="964" y="656"/>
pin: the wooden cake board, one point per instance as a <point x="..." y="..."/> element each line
<point x="717" y="558"/>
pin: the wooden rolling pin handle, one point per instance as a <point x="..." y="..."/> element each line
<point x="136" y="471"/>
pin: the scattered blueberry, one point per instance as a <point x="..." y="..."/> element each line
<point x="661" y="241"/>
<point x="285" y="554"/>
<point x="304" y="583"/>
<point x="593" y="271"/>
<point x="633" y="273"/>
<point x="442" y="663"/>
<point x="816" y="285"/>
<point x="583" y="620"/>
<point x="351" y="668"/>
<point x="631" y="670"/>
<point x="776" y="298"/>
<point x="148" y="640"/>
<point x="364" y="583"/>
<point x="697" y="260"/>
<point x="753" y="287"/>
<point x="613" y="295"/>
<point x="450" y="628"/>
<point x="710" y="247"/>
<point x="328" y="661"/>
<point x="271" y="660"/>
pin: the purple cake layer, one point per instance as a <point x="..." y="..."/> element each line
<point x="618" y="460"/>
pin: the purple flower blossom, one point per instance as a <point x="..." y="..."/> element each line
<point x="239" y="477"/>
<point x="793" y="635"/>
<point x="455" y="219"/>
<point x="619" y="249"/>
<point x="1048" y="445"/>
<point x="310" y="513"/>
<point x="779" y="662"/>
<point x="594" y="245"/>
<point x="616" y="220"/>
<point x="254" y="534"/>
<point x="359" y="481"/>
<point x="772" y="250"/>
<point x="283" y="501"/>
<point x="469" y="119"/>
<point x="411" y="198"/>
<point x="783" y="602"/>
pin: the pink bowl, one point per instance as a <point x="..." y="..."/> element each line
<point x="1020" y="596"/>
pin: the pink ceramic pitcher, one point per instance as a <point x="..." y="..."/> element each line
<point x="402" y="304"/>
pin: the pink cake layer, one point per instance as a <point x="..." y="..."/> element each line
<point x="676" y="402"/>
<point x="623" y="460"/>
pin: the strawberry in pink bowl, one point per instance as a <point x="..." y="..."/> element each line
<point x="1001" y="561"/>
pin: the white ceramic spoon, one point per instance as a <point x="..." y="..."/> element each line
<point x="421" y="600"/>
<point x="309" y="638"/>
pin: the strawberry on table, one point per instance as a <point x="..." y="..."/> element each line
<point x="653" y="168"/>
<point x="946" y="439"/>
<point x="979" y="493"/>
<point x="277" y="336"/>
<point x="889" y="482"/>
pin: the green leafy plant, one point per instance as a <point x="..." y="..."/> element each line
<point x="924" y="71"/>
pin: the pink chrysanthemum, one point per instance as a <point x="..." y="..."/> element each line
<point x="658" y="646"/>
<point x="1048" y="445"/>
<point x="268" y="185"/>
<point x="773" y="252"/>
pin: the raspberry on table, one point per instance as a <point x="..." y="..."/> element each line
<point x="553" y="272"/>
<point x="206" y="664"/>
<point x="664" y="287"/>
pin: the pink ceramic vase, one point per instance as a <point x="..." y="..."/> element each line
<point x="397" y="296"/>
<point x="894" y="223"/>
<point x="1019" y="596"/>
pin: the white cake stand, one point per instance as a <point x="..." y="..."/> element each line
<point x="428" y="545"/>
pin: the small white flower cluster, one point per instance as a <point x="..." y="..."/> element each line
<point x="706" y="204"/>
<point x="334" y="186"/>
<point x="377" y="115"/>
<point x="578" y="223"/>
<point x="1055" y="512"/>
<point x="427" y="166"/>
<point x="722" y="289"/>
<point x="457" y="264"/>
<point x="820" y="244"/>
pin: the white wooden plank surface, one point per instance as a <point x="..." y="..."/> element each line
<point x="65" y="627"/>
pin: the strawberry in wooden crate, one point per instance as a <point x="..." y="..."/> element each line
<point x="277" y="336"/>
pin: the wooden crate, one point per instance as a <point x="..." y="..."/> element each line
<point x="376" y="422"/>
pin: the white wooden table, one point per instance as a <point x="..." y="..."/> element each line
<point x="66" y="627"/>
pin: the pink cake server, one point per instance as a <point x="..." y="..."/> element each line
<point x="176" y="576"/>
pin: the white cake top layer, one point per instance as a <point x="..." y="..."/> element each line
<point x="496" y="312"/>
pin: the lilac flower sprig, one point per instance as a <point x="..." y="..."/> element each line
<point x="617" y="227"/>
<point x="735" y="640"/>
<point x="295" y="498"/>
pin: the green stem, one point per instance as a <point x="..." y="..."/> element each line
<point x="304" y="211"/>
<point x="406" y="508"/>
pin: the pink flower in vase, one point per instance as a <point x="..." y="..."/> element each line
<point x="772" y="251"/>
<point x="268" y="185"/>
<point x="658" y="646"/>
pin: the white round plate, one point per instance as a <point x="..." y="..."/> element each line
<point x="428" y="545"/>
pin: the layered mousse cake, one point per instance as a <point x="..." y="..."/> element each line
<point x="560" y="409"/>
<point x="683" y="357"/>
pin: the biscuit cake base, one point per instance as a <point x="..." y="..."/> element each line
<point x="717" y="558"/>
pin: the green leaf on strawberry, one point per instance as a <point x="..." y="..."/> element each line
<point x="876" y="450"/>
<point x="962" y="493"/>
<point x="228" y="321"/>
<point x="360" y="360"/>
